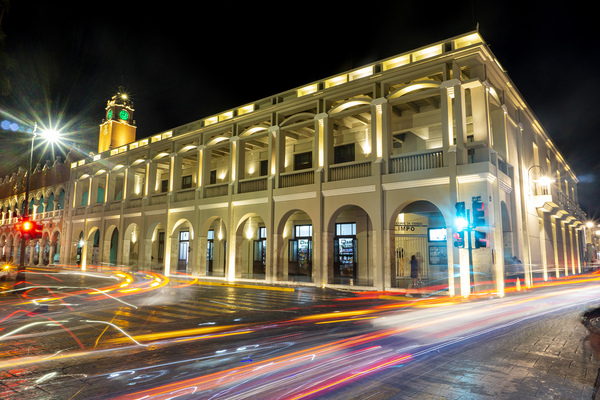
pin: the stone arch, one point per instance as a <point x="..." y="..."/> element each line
<point x="111" y="245"/>
<point x="299" y="117"/>
<point x="131" y="245"/>
<point x="92" y="242"/>
<point x="350" y="103"/>
<point x="349" y="235"/>
<point x="413" y="87"/>
<point x="251" y="240"/>
<point x="55" y="246"/>
<point x="419" y="228"/>
<point x="212" y="247"/>
<point x="294" y="247"/>
<point x="253" y="130"/>
<point x="3" y="246"/>
<point x="181" y="239"/>
<point x="77" y="247"/>
<point x="154" y="245"/>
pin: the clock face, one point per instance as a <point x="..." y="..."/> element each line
<point x="124" y="115"/>
<point x="109" y="115"/>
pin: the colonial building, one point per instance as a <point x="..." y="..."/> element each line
<point x="339" y="182"/>
<point x="49" y="186"/>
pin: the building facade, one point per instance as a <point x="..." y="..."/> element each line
<point x="47" y="200"/>
<point x="341" y="182"/>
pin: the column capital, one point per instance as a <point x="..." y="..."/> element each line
<point x="450" y="83"/>
<point x="379" y="101"/>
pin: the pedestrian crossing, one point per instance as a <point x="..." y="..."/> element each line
<point x="203" y="308"/>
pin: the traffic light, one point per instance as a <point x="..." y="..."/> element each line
<point x="480" y="239"/>
<point x="30" y="228"/>
<point x="459" y="239"/>
<point x="461" y="221"/>
<point x="478" y="212"/>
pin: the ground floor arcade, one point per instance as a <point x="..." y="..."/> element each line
<point x="329" y="238"/>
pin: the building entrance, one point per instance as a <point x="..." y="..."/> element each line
<point x="420" y="231"/>
<point x="345" y="251"/>
<point x="184" y="247"/>
<point x="260" y="252"/>
<point x="300" y="251"/>
<point x="210" y="246"/>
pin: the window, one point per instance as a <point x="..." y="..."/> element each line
<point x="343" y="154"/>
<point x="161" y="246"/>
<point x="303" y="231"/>
<point x="264" y="167"/>
<point x="213" y="177"/>
<point x="164" y="186"/>
<point x="348" y="229"/>
<point x="303" y="161"/>
<point x="186" y="182"/>
<point x="262" y="233"/>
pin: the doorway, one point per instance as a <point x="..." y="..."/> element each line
<point x="184" y="248"/>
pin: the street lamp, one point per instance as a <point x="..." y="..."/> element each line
<point x="51" y="136"/>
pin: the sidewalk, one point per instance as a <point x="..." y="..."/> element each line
<point x="546" y="361"/>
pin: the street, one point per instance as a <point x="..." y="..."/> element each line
<point x="140" y="335"/>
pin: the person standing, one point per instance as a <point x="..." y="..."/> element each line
<point x="415" y="270"/>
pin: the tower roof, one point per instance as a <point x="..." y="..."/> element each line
<point x="120" y="98"/>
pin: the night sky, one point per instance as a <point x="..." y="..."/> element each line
<point x="182" y="63"/>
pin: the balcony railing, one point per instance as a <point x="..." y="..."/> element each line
<point x="221" y="189"/>
<point x="160" y="198"/>
<point x="296" y="178"/>
<point x="49" y="214"/>
<point x="556" y="197"/>
<point x="416" y="162"/>
<point x="350" y="171"/>
<point x="114" y="206"/>
<point x="134" y="203"/>
<point x="184" y="195"/>
<point x="252" y="185"/>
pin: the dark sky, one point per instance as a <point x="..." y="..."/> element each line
<point x="182" y="63"/>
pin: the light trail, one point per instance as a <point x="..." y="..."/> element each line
<point x="429" y="318"/>
<point x="468" y="318"/>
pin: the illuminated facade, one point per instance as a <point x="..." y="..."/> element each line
<point x="340" y="182"/>
<point x="49" y="187"/>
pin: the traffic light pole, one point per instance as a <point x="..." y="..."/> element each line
<point x="468" y="244"/>
<point x="20" y="278"/>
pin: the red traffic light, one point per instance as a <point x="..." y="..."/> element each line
<point x="27" y="227"/>
<point x="459" y="239"/>
<point x="31" y="228"/>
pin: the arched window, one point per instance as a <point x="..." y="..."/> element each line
<point x="50" y="202"/>
<point x="61" y="200"/>
<point x="40" y="208"/>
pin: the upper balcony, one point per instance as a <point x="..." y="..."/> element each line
<point x="401" y="167"/>
<point x="549" y="198"/>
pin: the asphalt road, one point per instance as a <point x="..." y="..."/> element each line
<point x="138" y="336"/>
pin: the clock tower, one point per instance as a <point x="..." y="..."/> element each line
<point x="118" y="129"/>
